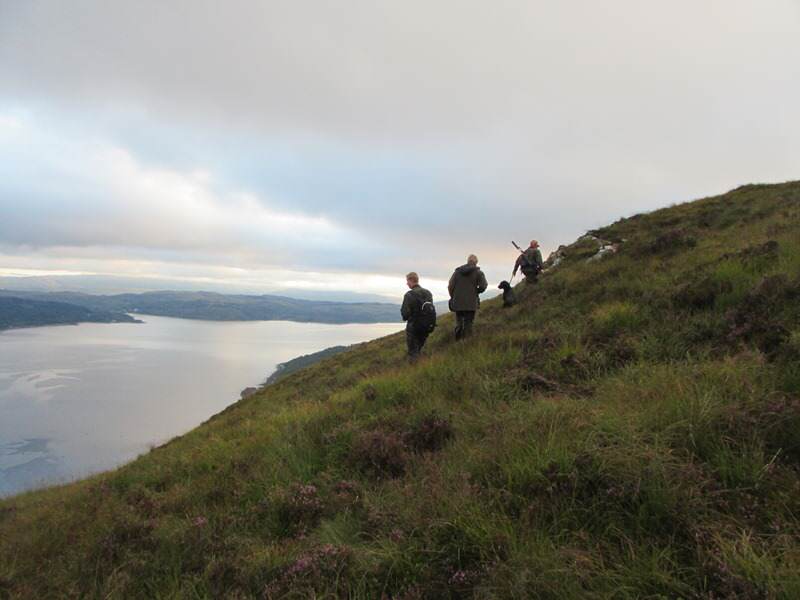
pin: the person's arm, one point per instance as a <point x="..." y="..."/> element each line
<point x="539" y="260"/>
<point x="451" y="285"/>
<point x="482" y="283"/>
<point x="405" y="310"/>
<point x="517" y="265"/>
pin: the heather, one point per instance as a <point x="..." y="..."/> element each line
<point x="631" y="429"/>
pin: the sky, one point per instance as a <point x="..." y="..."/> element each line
<point x="329" y="146"/>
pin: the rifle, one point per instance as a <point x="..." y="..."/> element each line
<point x="521" y="251"/>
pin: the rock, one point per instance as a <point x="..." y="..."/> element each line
<point x="247" y="392"/>
<point x="605" y="249"/>
<point x="555" y="258"/>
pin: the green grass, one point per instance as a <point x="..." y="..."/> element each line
<point x="631" y="429"/>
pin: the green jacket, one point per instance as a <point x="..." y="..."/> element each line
<point x="534" y="257"/>
<point x="530" y="261"/>
<point x="466" y="283"/>
<point x="412" y="302"/>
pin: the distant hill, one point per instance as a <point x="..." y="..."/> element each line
<point x="119" y="284"/>
<point x="630" y="429"/>
<point x="26" y="312"/>
<point x="212" y="306"/>
<point x="301" y="362"/>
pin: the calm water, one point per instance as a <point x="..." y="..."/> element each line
<point x="78" y="399"/>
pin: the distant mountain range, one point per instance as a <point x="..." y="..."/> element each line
<point x="27" y="312"/>
<point x="120" y="284"/>
<point x="203" y="305"/>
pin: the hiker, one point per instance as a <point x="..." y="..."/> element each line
<point x="466" y="283"/>
<point x="420" y="315"/>
<point x="530" y="261"/>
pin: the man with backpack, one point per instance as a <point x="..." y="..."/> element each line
<point x="530" y="261"/>
<point x="420" y="315"/>
<point x="466" y="284"/>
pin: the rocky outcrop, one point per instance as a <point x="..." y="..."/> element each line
<point x="555" y="258"/>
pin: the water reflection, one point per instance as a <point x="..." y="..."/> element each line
<point x="24" y="463"/>
<point x="75" y="400"/>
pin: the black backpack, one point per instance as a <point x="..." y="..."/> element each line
<point x="529" y="268"/>
<point x="425" y="319"/>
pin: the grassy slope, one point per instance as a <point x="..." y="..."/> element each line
<point x="630" y="430"/>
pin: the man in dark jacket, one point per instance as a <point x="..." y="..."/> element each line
<point x="467" y="282"/>
<point x="415" y="297"/>
<point x="531" y="263"/>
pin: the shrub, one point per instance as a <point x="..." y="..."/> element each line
<point x="320" y="570"/>
<point x="705" y="328"/>
<point x="370" y="394"/>
<point x="775" y="420"/>
<point x="759" y="255"/>
<point x="667" y="243"/>
<point x="733" y="281"/>
<point x="429" y="434"/>
<point x="788" y="364"/>
<point x="345" y="494"/>
<point x="700" y="295"/>
<point x="379" y="454"/>
<point x="754" y="320"/>
<point x="298" y="509"/>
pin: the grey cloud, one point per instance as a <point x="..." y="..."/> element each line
<point x="429" y="129"/>
<point x="413" y="70"/>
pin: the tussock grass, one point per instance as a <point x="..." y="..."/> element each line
<point x="631" y="429"/>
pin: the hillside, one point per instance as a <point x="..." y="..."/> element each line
<point x="631" y="429"/>
<point x="225" y="307"/>
<point x="301" y="362"/>
<point x="26" y="312"/>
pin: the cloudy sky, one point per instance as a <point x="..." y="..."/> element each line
<point x="298" y="145"/>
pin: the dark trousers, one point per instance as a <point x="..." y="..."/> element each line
<point x="464" y="319"/>
<point x="414" y="342"/>
<point x="531" y="275"/>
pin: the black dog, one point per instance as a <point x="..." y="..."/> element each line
<point x="509" y="299"/>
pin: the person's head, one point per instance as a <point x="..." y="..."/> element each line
<point x="472" y="260"/>
<point x="412" y="279"/>
<point x="534" y="244"/>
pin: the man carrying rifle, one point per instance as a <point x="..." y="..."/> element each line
<point x="530" y="261"/>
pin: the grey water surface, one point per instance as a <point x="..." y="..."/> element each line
<point x="75" y="400"/>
